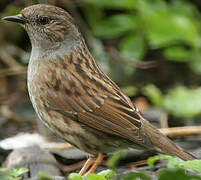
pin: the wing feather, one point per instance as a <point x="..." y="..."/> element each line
<point x="96" y="101"/>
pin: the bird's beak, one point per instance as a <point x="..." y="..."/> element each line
<point x="17" y="18"/>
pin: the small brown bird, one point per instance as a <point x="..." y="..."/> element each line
<point x="75" y="98"/>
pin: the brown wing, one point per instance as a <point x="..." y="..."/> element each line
<point x="110" y="117"/>
<point x="95" y="100"/>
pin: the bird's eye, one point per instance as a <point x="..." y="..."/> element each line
<point x="44" y="20"/>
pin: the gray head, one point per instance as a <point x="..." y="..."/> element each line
<point x="49" y="28"/>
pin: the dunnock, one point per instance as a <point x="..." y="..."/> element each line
<point x="75" y="98"/>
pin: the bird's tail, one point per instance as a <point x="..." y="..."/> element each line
<point x="165" y="144"/>
<point x="168" y="146"/>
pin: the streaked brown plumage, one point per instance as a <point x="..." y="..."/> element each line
<point x="73" y="97"/>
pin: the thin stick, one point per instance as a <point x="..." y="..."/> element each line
<point x="9" y="60"/>
<point x="164" y="120"/>
<point x="181" y="131"/>
<point x="13" y="71"/>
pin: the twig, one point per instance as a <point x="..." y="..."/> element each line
<point x="56" y="146"/>
<point x="71" y="168"/>
<point x="164" y="120"/>
<point x="182" y="131"/>
<point x="9" y="60"/>
<point x="137" y="164"/>
<point x="13" y="71"/>
<point x="9" y="114"/>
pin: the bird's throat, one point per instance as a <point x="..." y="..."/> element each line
<point x="64" y="48"/>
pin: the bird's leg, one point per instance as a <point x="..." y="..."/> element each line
<point x="86" y="166"/>
<point x="96" y="164"/>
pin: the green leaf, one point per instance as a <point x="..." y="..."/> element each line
<point x="125" y="4"/>
<point x="93" y="14"/>
<point x="166" y="174"/>
<point x="130" y="90"/>
<point x="167" y="28"/>
<point x="43" y="176"/>
<point x="107" y="174"/>
<point x="183" y="102"/>
<point x="95" y="177"/>
<point x="137" y="176"/>
<point x="154" y="94"/>
<point x="12" y="174"/>
<point x="177" y="53"/>
<point x="13" y="11"/>
<point x="173" y="162"/>
<point x="194" y="165"/>
<point x="75" y="176"/>
<point x="196" y="66"/>
<point x="133" y="46"/>
<point x="113" y="160"/>
<point x="151" y="161"/>
<point x="195" y="62"/>
<point x="114" y="26"/>
<point x="18" y="171"/>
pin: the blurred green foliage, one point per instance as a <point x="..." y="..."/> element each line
<point x="175" y="168"/>
<point x="152" y="23"/>
<point x="183" y="102"/>
<point x="180" y="101"/>
<point x="12" y="174"/>
<point x="142" y="26"/>
<point x="114" y="160"/>
<point x="141" y="31"/>
<point x="43" y="176"/>
<point x="103" y="175"/>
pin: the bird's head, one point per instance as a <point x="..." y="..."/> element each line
<point x="47" y="26"/>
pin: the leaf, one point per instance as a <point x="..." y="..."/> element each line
<point x="177" y="53"/>
<point x="107" y="174"/>
<point x="165" y="28"/>
<point x="113" y="160"/>
<point x="173" y="162"/>
<point x="151" y="161"/>
<point x="93" y="14"/>
<point x="43" y="176"/>
<point x="154" y="94"/>
<point x="195" y="62"/>
<point x="133" y="46"/>
<point x="194" y="165"/>
<point x="125" y="4"/>
<point x="130" y="90"/>
<point x="17" y="171"/>
<point x="183" y="102"/>
<point x="114" y="26"/>
<point x="137" y="176"/>
<point x="95" y="177"/>
<point x="13" y="11"/>
<point x="167" y="174"/>
<point x="196" y="66"/>
<point x="75" y="176"/>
